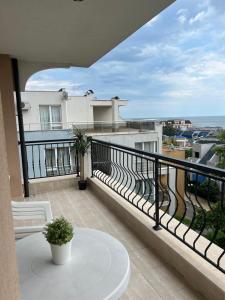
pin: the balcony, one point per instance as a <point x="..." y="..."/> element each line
<point x="131" y="195"/>
<point x="76" y="51"/>
<point x="151" y="277"/>
<point x="96" y="127"/>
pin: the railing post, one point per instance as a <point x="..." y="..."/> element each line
<point x="156" y="173"/>
<point x="92" y="167"/>
<point x="21" y="127"/>
<point x="77" y="163"/>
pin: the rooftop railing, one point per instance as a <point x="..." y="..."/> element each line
<point x="94" y="127"/>
<point x="184" y="198"/>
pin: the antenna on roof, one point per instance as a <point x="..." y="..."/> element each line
<point x="89" y="92"/>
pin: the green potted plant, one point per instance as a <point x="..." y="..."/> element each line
<point x="59" y="234"/>
<point x="81" y="145"/>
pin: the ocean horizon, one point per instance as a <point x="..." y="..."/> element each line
<point x="198" y="121"/>
<point x="203" y="121"/>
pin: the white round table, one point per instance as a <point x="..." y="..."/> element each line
<point x="99" y="268"/>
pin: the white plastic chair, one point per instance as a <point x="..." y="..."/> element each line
<point x="30" y="211"/>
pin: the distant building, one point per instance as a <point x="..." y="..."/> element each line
<point x="177" y="123"/>
<point x="56" y="110"/>
<point x="181" y="141"/>
<point x="203" y="151"/>
<point x="50" y="116"/>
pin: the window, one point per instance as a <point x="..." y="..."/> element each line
<point x="196" y="154"/>
<point x="50" y="117"/>
<point x="150" y="147"/>
<point x="146" y="189"/>
<point x="58" y="161"/>
<point x="144" y="164"/>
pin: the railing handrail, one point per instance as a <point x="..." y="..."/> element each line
<point x="96" y="122"/>
<point x="188" y="206"/>
<point x="185" y="163"/>
<point x="60" y="161"/>
<point x="68" y="125"/>
<point x="50" y="141"/>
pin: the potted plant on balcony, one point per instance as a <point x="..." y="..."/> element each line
<point x="59" y="234"/>
<point x="81" y="145"/>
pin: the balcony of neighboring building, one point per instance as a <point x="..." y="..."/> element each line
<point x="98" y="126"/>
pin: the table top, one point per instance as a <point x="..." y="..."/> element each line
<point x="99" y="268"/>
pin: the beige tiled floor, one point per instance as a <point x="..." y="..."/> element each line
<point x="150" y="278"/>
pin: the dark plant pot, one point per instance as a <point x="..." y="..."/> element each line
<point x="82" y="184"/>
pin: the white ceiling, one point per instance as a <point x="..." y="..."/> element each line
<point x="68" y="32"/>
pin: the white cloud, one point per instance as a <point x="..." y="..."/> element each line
<point x="199" y="17"/>
<point x="177" y="94"/>
<point x="182" y="15"/>
<point x="47" y="84"/>
<point x="182" y="19"/>
<point x="148" y="50"/>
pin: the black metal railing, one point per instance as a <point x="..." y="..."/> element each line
<point x="184" y="198"/>
<point x="48" y="158"/>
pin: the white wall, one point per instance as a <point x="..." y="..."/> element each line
<point x="201" y="148"/>
<point x="35" y="99"/>
<point x="129" y="139"/>
<point x="76" y="109"/>
<point x="79" y="109"/>
<point x="104" y="114"/>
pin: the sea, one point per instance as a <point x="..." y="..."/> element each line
<point x="203" y="121"/>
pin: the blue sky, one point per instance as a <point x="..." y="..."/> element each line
<point x="173" y="66"/>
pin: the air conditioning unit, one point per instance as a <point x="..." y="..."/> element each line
<point x="25" y="106"/>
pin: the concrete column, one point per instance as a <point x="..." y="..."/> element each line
<point x="9" y="287"/>
<point x="9" y="119"/>
<point x="115" y="110"/>
<point x="87" y="164"/>
<point x="115" y="115"/>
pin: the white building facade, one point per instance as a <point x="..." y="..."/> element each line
<point x="50" y="116"/>
<point x="57" y="110"/>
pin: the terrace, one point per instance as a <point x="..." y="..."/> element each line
<point x="151" y="277"/>
<point x="177" y="261"/>
<point x="129" y="191"/>
<point x="97" y="126"/>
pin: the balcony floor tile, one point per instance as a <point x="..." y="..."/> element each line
<point x="151" y="278"/>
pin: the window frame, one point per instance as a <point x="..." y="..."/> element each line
<point x="52" y="125"/>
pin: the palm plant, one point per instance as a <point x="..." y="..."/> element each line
<point x="81" y="145"/>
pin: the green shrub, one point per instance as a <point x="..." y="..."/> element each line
<point x="208" y="189"/>
<point x="59" y="232"/>
<point x="188" y="153"/>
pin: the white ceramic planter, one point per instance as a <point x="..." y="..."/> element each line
<point x="61" y="254"/>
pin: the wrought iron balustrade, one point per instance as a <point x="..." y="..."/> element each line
<point x="184" y="198"/>
<point x="48" y="158"/>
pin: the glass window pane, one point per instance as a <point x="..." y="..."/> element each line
<point x="147" y="146"/>
<point x="56" y="115"/>
<point x="63" y="157"/>
<point x="138" y="146"/>
<point x="50" y="158"/>
<point x="150" y="147"/>
<point x="44" y="117"/>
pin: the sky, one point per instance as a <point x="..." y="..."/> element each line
<point x="173" y="66"/>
